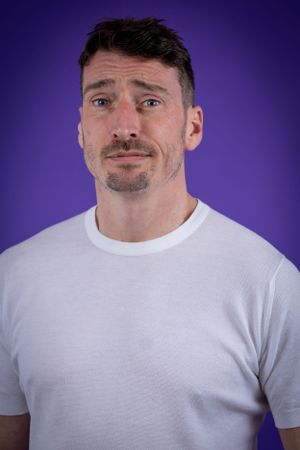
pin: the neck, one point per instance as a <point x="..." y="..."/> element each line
<point x="141" y="217"/>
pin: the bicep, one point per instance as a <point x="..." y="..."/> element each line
<point x="290" y="438"/>
<point x="14" y="432"/>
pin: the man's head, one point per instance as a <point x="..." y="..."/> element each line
<point x="137" y="114"/>
<point x="146" y="38"/>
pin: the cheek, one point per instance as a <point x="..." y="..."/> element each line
<point x="92" y="126"/>
<point x="168" y="135"/>
<point x="93" y="139"/>
<point x="89" y="131"/>
<point x="159" y="131"/>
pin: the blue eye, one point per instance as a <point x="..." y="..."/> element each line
<point x="100" y="102"/>
<point x="151" y="102"/>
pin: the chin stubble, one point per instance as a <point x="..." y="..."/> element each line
<point x="117" y="183"/>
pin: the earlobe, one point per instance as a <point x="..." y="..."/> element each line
<point x="80" y="135"/>
<point x="194" y="128"/>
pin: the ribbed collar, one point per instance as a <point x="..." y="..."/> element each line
<point x="145" y="247"/>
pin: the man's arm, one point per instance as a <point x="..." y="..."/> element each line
<point x="290" y="438"/>
<point x="14" y="432"/>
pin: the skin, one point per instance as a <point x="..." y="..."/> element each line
<point x="14" y="432"/>
<point x="142" y="106"/>
<point x="140" y="199"/>
<point x="143" y="199"/>
<point x="290" y="438"/>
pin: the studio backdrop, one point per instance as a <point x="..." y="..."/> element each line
<point x="247" y="69"/>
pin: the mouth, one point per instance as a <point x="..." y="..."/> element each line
<point x="128" y="156"/>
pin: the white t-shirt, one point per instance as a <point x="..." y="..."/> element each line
<point x="181" y="342"/>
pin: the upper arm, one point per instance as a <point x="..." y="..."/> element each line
<point x="14" y="432"/>
<point x="290" y="438"/>
<point x="279" y="363"/>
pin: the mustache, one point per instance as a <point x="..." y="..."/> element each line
<point x="130" y="144"/>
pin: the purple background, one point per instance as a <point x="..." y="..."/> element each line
<point x="246" y="61"/>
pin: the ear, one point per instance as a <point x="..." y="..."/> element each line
<point x="194" y="127"/>
<point x="80" y="133"/>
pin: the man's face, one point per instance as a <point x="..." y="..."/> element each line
<point x="133" y="123"/>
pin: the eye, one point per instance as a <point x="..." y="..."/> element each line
<point x="151" y="102"/>
<point x="100" y="102"/>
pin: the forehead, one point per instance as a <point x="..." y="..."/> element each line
<point x="112" y="65"/>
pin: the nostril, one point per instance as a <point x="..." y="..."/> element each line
<point x="124" y="134"/>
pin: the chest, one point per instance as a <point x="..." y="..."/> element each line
<point x="188" y="334"/>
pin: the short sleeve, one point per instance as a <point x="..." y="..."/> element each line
<point x="280" y="361"/>
<point x="12" y="399"/>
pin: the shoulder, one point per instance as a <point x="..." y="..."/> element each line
<point x="240" y="248"/>
<point x="55" y="241"/>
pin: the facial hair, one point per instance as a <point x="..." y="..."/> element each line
<point x="122" y="180"/>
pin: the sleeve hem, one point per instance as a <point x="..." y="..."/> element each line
<point x="288" y="419"/>
<point x="12" y="406"/>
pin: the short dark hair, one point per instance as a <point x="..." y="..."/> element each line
<point x="146" y="38"/>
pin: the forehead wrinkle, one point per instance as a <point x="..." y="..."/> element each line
<point x="147" y="74"/>
<point x="98" y="84"/>
<point x="152" y="87"/>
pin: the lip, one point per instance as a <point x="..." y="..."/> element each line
<point x="128" y="153"/>
<point x="128" y="156"/>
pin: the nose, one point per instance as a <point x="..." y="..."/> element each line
<point x="126" y="121"/>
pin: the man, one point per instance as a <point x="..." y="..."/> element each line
<point x="151" y="321"/>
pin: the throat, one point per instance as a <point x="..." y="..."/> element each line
<point x="140" y="222"/>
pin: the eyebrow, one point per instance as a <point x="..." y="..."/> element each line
<point x="98" y="84"/>
<point x="149" y="86"/>
<point x="138" y="83"/>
